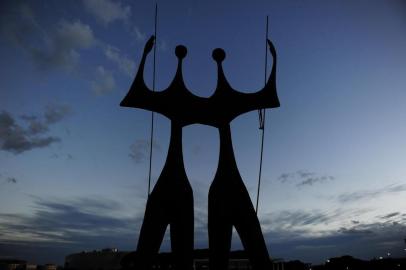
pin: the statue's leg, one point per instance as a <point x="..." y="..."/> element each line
<point x="220" y="231"/>
<point x="249" y="229"/>
<point x="152" y="231"/>
<point x="182" y="232"/>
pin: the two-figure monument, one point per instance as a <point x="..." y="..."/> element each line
<point x="171" y="200"/>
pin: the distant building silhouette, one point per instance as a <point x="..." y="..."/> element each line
<point x="15" y="264"/>
<point x="109" y="259"/>
<point x="350" y="263"/>
<point x="12" y="264"/>
<point x="48" y="266"/>
<point x="105" y="259"/>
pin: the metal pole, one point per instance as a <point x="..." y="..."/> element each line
<point x="262" y="114"/>
<point x="152" y="113"/>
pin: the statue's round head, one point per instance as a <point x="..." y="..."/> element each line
<point x="218" y="55"/>
<point x="180" y="51"/>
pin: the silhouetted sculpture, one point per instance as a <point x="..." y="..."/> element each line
<point x="171" y="201"/>
<point x="229" y="201"/>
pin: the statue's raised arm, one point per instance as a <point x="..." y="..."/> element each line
<point x="267" y="97"/>
<point x="270" y="86"/>
<point x="139" y="95"/>
<point x="227" y="103"/>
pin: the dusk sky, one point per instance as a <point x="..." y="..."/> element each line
<point x="74" y="164"/>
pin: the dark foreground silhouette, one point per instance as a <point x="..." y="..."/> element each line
<point x="171" y="201"/>
<point x="238" y="260"/>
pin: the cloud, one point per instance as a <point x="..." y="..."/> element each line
<point x="16" y="139"/>
<point x="140" y="150"/>
<point x="124" y="64"/>
<point x="74" y="225"/>
<point x="310" y="223"/>
<point x="56" y="112"/>
<point x="391" y="215"/>
<point x="107" y="11"/>
<point x="302" y="218"/>
<point x="67" y="156"/>
<point x="303" y="241"/>
<point x="35" y="126"/>
<point x="285" y="177"/>
<point x="139" y="36"/>
<point x="57" y="48"/>
<point x="299" y="219"/>
<point x="63" y="45"/>
<point x="162" y="46"/>
<point x="11" y="180"/>
<point x="370" y="194"/>
<point x="315" y="179"/>
<point x="104" y="82"/>
<point x="305" y="178"/>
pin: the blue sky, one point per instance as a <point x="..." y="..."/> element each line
<point x="73" y="173"/>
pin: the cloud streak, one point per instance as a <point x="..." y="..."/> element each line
<point x="93" y="223"/>
<point x="79" y="224"/>
<point x="364" y="240"/>
<point x="370" y="194"/>
<point x="304" y="178"/>
<point x="391" y="215"/>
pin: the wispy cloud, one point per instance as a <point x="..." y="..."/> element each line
<point x="371" y="194"/>
<point x="290" y="219"/>
<point x="104" y="81"/>
<point x="77" y="224"/>
<point x="302" y="241"/>
<point x="284" y="177"/>
<point x="35" y="125"/>
<point x="125" y="64"/>
<point x="139" y="36"/>
<point x="304" y="178"/>
<point x="162" y="46"/>
<point x="391" y="215"/>
<point x="56" y="112"/>
<point x="107" y="11"/>
<point x="66" y="221"/>
<point x="93" y="223"/>
<point x="299" y="219"/>
<point x="49" y="49"/>
<point x="140" y="150"/>
<point x="11" y="180"/>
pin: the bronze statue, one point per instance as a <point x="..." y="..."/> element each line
<point x="171" y="201"/>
